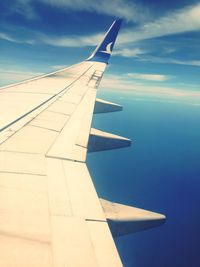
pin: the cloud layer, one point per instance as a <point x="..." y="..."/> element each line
<point x="179" y="21"/>
<point x="73" y="41"/>
<point x="9" y="76"/>
<point x="118" y="8"/>
<point x="113" y="82"/>
<point x="149" y="77"/>
<point x="175" y="22"/>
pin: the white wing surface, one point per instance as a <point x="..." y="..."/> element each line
<point x="50" y="214"/>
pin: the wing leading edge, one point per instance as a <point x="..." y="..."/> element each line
<point x="51" y="213"/>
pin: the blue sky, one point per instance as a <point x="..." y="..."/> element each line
<point x="157" y="52"/>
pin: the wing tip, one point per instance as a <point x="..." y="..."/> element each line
<point x="104" y="50"/>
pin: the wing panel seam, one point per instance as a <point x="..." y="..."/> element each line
<point x="46" y="101"/>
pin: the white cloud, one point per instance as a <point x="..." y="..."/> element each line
<point x="9" y="76"/>
<point x="113" y="82"/>
<point x="74" y="41"/>
<point x="182" y="20"/>
<point x="24" y="8"/>
<point x="59" y="67"/>
<point x="176" y="21"/>
<point x="179" y="21"/>
<point x="7" y="37"/>
<point x="129" y="52"/>
<point x="171" y="61"/>
<point x="119" y="8"/>
<point x="149" y="77"/>
<point x="169" y="50"/>
<point x="185" y="62"/>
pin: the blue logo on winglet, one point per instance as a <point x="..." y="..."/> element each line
<point x="104" y="49"/>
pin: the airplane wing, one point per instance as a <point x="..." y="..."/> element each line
<point x="50" y="213"/>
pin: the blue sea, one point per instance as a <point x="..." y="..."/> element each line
<point x="159" y="172"/>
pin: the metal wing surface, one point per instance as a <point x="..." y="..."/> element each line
<point x="50" y="214"/>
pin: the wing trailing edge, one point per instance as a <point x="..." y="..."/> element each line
<point x="122" y="219"/>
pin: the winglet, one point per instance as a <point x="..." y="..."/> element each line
<point x="104" y="49"/>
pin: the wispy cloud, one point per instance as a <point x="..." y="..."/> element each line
<point x="73" y="41"/>
<point x="128" y="10"/>
<point x="58" y="67"/>
<point x="129" y="52"/>
<point x="178" y="21"/>
<point x="24" y="8"/>
<point x="169" y="50"/>
<point x="8" y="76"/>
<point x="184" y="62"/>
<point x="164" y="60"/>
<point x="149" y="77"/>
<point x="113" y="82"/>
<point x="7" y="37"/>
